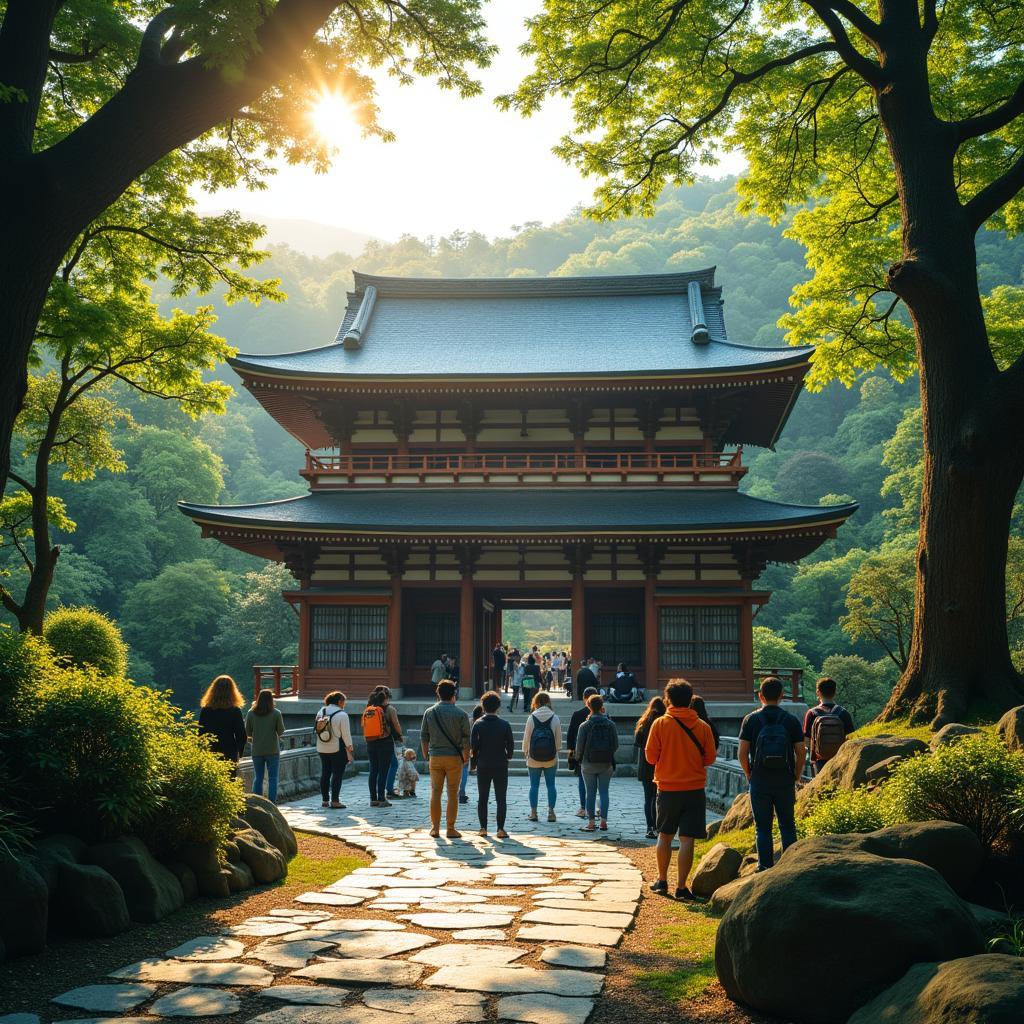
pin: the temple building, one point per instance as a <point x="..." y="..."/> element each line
<point x="485" y="444"/>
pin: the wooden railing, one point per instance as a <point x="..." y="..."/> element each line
<point x="282" y="679"/>
<point x="371" y="469"/>
<point x="794" y="676"/>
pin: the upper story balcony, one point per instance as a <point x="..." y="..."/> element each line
<point x="474" y="469"/>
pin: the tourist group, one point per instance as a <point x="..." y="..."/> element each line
<point x="676" y="739"/>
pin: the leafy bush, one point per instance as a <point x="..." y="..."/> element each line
<point x="843" y="811"/>
<point x="976" y="782"/>
<point x="198" y="796"/>
<point x="87" y="637"/>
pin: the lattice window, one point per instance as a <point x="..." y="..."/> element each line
<point x="616" y="636"/>
<point x="348" y="636"/>
<point x="436" y="633"/>
<point x="693" y="637"/>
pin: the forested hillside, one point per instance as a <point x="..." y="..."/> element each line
<point x="189" y="608"/>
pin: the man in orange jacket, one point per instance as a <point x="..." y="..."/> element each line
<point x="680" y="746"/>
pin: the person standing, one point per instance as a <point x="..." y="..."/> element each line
<point x="698" y="705"/>
<point x="398" y="740"/>
<point x="517" y="674"/>
<point x="380" y="745"/>
<point x="469" y="766"/>
<point x="220" y="717"/>
<point x="542" y="739"/>
<point x="826" y="725"/>
<point x="334" y="745"/>
<point x="439" y="670"/>
<point x="444" y="734"/>
<point x="264" y="725"/>
<point x="498" y="660"/>
<point x="578" y="717"/>
<point x="645" y="770"/>
<point x="492" y="745"/>
<point x="531" y="680"/>
<point x="680" y="747"/>
<point x="596" y="744"/>
<point x="585" y="678"/>
<point x="453" y="673"/>
<point x="771" y="754"/>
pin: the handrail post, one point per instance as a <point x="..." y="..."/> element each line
<point x="256" y="681"/>
<point x="277" y="680"/>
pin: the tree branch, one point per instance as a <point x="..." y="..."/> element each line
<point x="7" y="600"/>
<point x="22" y="482"/>
<point x="992" y="120"/>
<point x="870" y="71"/>
<point x="869" y="29"/>
<point x="996" y="194"/>
<point x="69" y="57"/>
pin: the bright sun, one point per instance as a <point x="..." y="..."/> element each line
<point x="334" y="120"/>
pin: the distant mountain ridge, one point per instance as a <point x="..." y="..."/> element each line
<point x="311" y="237"/>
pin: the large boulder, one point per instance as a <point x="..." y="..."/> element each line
<point x="266" y="862"/>
<point x="52" y="851"/>
<point x="24" y="906"/>
<point x="186" y="878"/>
<point x="952" y="732"/>
<point x="262" y="814"/>
<point x="952" y="850"/>
<point x="987" y="989"/>
<point x="849" y="768"/>
<point x="722" y="898"/>
<point x="239" y="877"/>
<point x="150" y="890"/>
<point x="1011" y="728"/>
<point x="739" y="815"/>
<point x="829" y="912"/>
<point x="89" y="901"/>
<point x="205" y="863"/>
<point x="721" y="864"/>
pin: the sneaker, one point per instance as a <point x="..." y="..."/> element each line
<point x="482" y="832"/>
<point x="325" y="804"/>
<point x="651" y="834"/>
<point x="375" y="803"/>
<point x="604" y="825"/>
<point x="532" y="816"/>
<point x="684" y="895"/>
<point x="581" y="813"/>
<point x="337" y="807"/>
<point x="589" y="827"/>
<point x="463" y="798"/>
<point x="551" y="814"/>
<point x="659" y="887"/>
<point x="392" y="795"/>
<point x="501" y="834"/>
<point x="384" y="803"/>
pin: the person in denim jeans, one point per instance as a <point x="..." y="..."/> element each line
<point x="547" y="768"/>
<point x="579" y="716"/>
<point x="264" y="725"/>
<point x="773" y="763"/>
<point x="595" y="772"/>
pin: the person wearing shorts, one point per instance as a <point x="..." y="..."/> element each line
<point x="681" y="747"/>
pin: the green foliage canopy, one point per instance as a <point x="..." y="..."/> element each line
<point x="85" y="636"/>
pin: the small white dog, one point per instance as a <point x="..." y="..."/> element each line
<point x="407" y="777"/>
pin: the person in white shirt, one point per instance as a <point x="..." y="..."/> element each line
<point x="334" y="745"/>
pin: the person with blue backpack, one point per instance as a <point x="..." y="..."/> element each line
<point x="596" y="743"/>
<point x="771" y="755"/>
<point x="542" y="739"/>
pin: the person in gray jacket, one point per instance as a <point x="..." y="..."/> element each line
<point x="596" y="743"/>
<point x="444" y="735"/>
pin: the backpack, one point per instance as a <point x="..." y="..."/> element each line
<point x="828" y="733"/>
<point x="374" y="724"/>
<point x="322" y="727"/>
<point x="601" y="746"/>
<point x="773" y="749"/>
<point x="542" y="740"/>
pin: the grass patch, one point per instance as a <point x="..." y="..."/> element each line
<point x="690" y="938"/>
<point x="316" y="872"/>
<point x="902" y="727"/>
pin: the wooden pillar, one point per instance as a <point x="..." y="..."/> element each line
<point x="304" y="644"/>
<point x="467" y="658"/>
<point x="579" y="620"/>
<point x="747" y="646"/>
<point x="395" y="633"/>
<point x="651" y="658"/>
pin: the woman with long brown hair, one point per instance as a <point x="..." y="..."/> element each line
<point x="220" y="716"/>
<point x="264" y="725"/>
<point x="645" y="770"/>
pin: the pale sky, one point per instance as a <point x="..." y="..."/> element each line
<point x="455" y="164"/>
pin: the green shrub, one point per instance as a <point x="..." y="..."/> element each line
<point x="843" y="811"/>
<point x="975" y="782"/>
<point x="198" y="796"/>
<point x="84" y="637"/>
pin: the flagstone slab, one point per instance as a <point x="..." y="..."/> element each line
<point x="366" y="971"/>
<point x="307" y="995"/>
<point x="574" y="956"/>
<point x="300" y="916"/>
<point x="196" y="1002"/>
<point x="571" y="916"/>
<point x="207" y="947"/>
<point x="357" y="924"/>
<point x="194" y="973"/>
<point x="436" y="1007"/>
<point x="522" y="880"/>
<point x="587" y="906"/>
<point x="289" y="954"/>
<point x="352" y="890"/>
<point x="488" y="891"/>
<point x="265" y="929"/>
<point x="445" y="896"/>
<point x="540" y="1008"/>
<point x="468" y="955"/>
<point x="105" y="998"/>
<point x="376" y="944"/>
<point x="450" y="922"/>
<point x="516" y="979"/>
<point x="584" y="935"/>
<point x="479" y="935"/>
<point x="318" y="1014"/>
<point x="330" y="899"/>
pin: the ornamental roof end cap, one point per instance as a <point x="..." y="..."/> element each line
<point x="353" y="338"/>
<point x="699" y="332"/>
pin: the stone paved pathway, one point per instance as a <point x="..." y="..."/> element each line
<point x="462" y="931"/>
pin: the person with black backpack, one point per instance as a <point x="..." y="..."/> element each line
<point x="826" y="726"/>
<point x="772" y="755"/>
<point x="596" y="743"/>
<point x="542" y="739"/>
